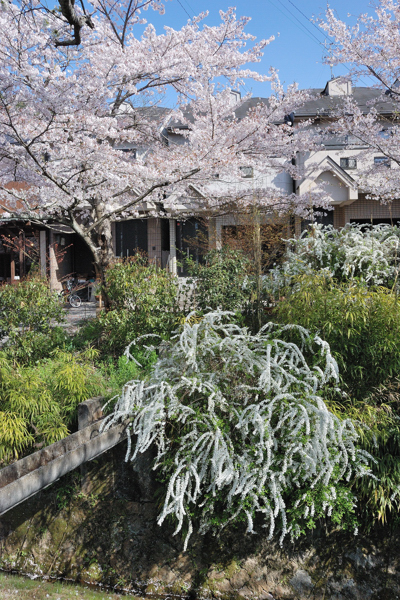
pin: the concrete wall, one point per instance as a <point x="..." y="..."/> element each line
<point x="28" y="476"/>
<point x="334" y="188"/>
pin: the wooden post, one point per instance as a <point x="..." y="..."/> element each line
<point x="21" y="254"/>
<point x="12" y="269"/>
<point x="42" y="252"/>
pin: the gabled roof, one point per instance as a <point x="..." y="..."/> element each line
<point x="152" y="113"/>
<point x="322" y="104"/>
<point x="157" y="115"/>
<point x="328" y="164"/>
<point x="240" y="112"/>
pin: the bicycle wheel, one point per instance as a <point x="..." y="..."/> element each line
<point x="75" y="301"/>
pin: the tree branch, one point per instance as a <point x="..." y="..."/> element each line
<point x="75" y="20"/>
<point x="138" y="199"/>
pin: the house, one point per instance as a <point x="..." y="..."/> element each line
<point x="337" y="165"/>
<point x="55" y="248"/>
<point x="167" y="240"/>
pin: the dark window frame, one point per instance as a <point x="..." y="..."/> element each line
<point x="382" y="160"/>
<point x="348" y="163"/>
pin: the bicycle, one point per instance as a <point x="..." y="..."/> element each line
<point x="68" y="294"/>
<point x="74" y="300"/>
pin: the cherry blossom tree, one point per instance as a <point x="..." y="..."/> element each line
<point x="372" y="47"/>
<point x="77" y="85"/>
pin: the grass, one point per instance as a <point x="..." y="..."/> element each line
<point x="13" y="587"/>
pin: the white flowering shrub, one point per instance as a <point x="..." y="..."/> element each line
<point x="241" y="430"/>
<point x="370" y="253"/>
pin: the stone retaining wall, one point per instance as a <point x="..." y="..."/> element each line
<point x="108" y="533"/>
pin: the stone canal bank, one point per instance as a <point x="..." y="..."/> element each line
<point x="98" y="524"/>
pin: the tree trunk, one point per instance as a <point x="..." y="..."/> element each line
<point x="99" y="241"/>
<point x="104" y="254"/>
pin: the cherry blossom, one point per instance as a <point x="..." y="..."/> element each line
<point x="372" y="48"/>
<point x="68" y="108"/>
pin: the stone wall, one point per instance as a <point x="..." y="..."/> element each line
<point x="106" y="532"/>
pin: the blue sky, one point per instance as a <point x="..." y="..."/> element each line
<point x="298" y="48"/>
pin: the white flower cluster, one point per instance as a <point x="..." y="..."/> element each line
<point x="237" y="422"/>
<point x="371" y="253"/>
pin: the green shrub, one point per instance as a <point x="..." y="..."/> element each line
<point x="223" y="281"/>
<point x="361" y="325"/>
<point x="38" y="404"/>
<point x="88" y="335"/>
<point x="27" y="312"/>
<point x="118" y="373"/>
<point x="33" y="346"/>
<point x="72" y="378"/>
<point x="143" y="300"/>
<point x="379" y="431"/>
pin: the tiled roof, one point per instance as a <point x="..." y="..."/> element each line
<point x="322" y="104"/>
<point x="364" y="96"/>
<point x="12" y="204"/>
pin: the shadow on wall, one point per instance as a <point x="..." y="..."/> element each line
<point x="98" y="524"/>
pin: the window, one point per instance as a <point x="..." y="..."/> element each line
<point x="130" y="151"/>
<point x="247" y="172"/>
<point x="386" y="133"/>
<point x="348" y="163"/>
<point x="382" y="161"/>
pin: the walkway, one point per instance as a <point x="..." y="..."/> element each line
<point x="76" y="316"/>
